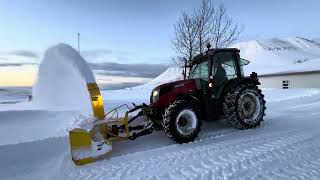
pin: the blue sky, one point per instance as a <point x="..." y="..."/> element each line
<point x="133" y="31"/>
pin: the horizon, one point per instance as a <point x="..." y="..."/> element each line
<point x="110" y="40"/>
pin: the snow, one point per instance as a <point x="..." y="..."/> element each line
<point x="285" y="146"/>
<point x="62" y="78"/>
<point x="92" y="151"/>
<point x="143" y="92"/>
<point x="19" y="126"/>
<point x="280" y="55"/>
<point x="171" y="74"/>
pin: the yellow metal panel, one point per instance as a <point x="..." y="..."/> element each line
<point x="79" y="138"/>
<point x="96" y="100"/>
<point x="97" y="104"/>
<point x="83" y="161"/>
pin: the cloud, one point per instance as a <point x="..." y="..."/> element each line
<point x="118" y="86"/>
<point x="129" y="70"/>
<point x="101" y="55"/>
<point x="15" y="64"/>
<point x="24" y="53"/>
<point x="96" y="53"/>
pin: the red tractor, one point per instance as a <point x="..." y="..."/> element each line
<point x="216" y="87"/>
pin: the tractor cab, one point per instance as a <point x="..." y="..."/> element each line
<point x="213" y="72"/>
<point x="216" y="67"/>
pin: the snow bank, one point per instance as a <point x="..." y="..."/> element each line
<point x="34" y="125"/>
<point x="62" y="79"/>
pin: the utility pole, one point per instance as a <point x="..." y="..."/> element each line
<point x="79" y="43"/>
<point x="185" y="68"/>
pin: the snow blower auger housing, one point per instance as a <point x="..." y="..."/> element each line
<point x="94" y="142"/>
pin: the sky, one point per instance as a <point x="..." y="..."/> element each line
<point x="127" y="35"/>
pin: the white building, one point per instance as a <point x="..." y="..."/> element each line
<point x="307" y="79"/>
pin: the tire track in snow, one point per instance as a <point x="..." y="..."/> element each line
<point x="247" y="159"/>
<point x="203" y="159"/>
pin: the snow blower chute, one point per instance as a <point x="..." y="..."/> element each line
<point x="94" y="140"/>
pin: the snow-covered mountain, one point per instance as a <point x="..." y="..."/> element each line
<point x="171" y="74"/>
<point x="143" y="91"/>
<point x="276" y="55"/>
<point x="279" y="55"/>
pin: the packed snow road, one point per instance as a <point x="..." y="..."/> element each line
<point x="285" y="146"/>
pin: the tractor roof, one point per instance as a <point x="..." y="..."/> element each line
<point x="200" y="57"/>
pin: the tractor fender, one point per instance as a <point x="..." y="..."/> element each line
<point x="189" y="97"/>
<point x="235" y="83"/>
<point x="195" y="100"/>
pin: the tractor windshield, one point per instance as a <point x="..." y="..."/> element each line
<point x="199" y="71"/>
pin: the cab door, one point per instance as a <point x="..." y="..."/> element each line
<point x="223" y="69"/>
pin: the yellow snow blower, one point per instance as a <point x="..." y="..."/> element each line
<point x="94" y="140"/>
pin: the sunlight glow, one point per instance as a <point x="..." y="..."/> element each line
<point x="18" y="76"/>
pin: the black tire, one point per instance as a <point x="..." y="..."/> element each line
<point x="170" y="118"/>
<point x="235" y="112"/>
<point x="157" y="126"/>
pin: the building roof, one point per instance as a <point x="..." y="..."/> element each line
<point x="290" y="73"/>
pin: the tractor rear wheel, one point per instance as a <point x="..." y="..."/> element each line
<point x="181" y="121"/>
<point x="244" y="106"/>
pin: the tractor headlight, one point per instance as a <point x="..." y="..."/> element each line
<point x="155" y="96"/>
<point x="155" y="93"/>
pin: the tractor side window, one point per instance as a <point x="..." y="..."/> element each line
<point x="225" y="67"/>
<point x="229" y="66"/>
<point x="200" y="71"/>
<point x="204" y="70"/>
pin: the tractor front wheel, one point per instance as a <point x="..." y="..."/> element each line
<point x="181" y="121"/>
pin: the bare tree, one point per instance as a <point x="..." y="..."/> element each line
<point x="224" y="30"/>
<point x="184" y="40"/>
<point x="203" y="19"/>
<point x="206" y="24"/>
<point x="178" y="61"/>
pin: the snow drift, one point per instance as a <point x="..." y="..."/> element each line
<point x="62" y="79"/>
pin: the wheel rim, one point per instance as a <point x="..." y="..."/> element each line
<point x="249" y="107"/>
<point x="186" y="122"/>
